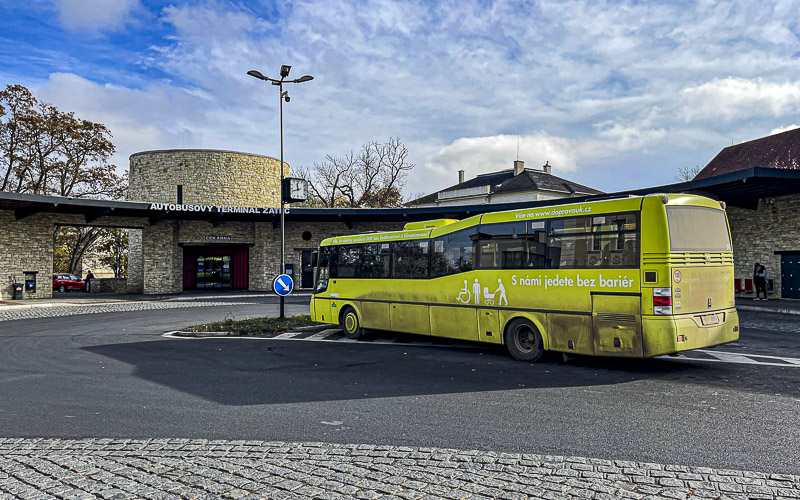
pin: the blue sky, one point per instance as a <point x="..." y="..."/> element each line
<point x="613" y="94"/>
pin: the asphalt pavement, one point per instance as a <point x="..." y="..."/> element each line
<point x="114" y="375"/>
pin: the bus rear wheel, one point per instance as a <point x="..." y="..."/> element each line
<point x="350" y="323"/>
<point x="523" y="341"/>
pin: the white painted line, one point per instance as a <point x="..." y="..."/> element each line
<point x="788" y="360"/>
<point x="324" y="333"/>
<point x="287" y="335"/>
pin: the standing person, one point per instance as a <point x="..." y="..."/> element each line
<point x="89" y="277"/>
<point x="761" y="285"/>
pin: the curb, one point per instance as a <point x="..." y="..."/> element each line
<point x="190" y="335"/>
<point x="776" y="310"/>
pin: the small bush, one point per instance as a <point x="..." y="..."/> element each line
<point x="254" y="326"/>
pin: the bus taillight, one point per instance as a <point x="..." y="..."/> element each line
<point x="662" y="301"/>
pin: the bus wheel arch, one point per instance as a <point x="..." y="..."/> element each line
<point x="350" y="322"/>
<point x="523" y="340"/>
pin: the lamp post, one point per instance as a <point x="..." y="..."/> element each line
<point x="282" y="96"/>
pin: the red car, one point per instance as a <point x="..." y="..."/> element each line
<point x="65" y="282"/>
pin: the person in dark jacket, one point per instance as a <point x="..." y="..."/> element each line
<point x="89" y="277"/>
<point x="760" y="281"/>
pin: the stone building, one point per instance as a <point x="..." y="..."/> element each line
<point x="210" y="220"/>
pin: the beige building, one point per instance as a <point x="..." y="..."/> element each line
<point x="515" y="185"/>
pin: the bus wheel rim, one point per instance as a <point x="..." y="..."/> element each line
<point x="525" y="339"/>
<point x="350" y="323"/>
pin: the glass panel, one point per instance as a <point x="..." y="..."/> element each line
<point x="453" y="253"/>
<point x="322" y="273"/>
<point x="349" y="265"/>
<point x="573" y="225"/>
<point x="410" y="259"/>
<point x="698" y="229"/>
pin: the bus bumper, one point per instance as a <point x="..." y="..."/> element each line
<point x="672" y="334"/>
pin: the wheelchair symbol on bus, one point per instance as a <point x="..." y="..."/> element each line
<point x="466" y="295"/>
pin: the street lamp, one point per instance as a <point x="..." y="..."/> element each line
<point x="282" y="96"/>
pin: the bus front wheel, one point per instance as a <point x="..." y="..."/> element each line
<point x="523" y="341"/>
<point x="350" y="324"/>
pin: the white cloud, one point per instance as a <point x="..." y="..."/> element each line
<point x="596" y="89"/>
<point x="787" y="128"/>
<point x="730" y="98"/>
<point x="95" y="15"/>
<point x="477" y="155"/>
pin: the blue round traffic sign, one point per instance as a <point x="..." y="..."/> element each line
<point x="283" y="284"/>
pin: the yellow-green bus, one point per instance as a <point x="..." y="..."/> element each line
<point x="640" y="276"/>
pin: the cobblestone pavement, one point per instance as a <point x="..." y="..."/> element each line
<point x="182" y="468"/>
<point x="57" y="311"/>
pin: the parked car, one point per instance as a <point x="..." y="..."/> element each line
<point x="65" y="282"/>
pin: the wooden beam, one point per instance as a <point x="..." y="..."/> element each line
<point x="22" y="213"/>
<point x="155" y="219"/>
<point x="93" y="215"/>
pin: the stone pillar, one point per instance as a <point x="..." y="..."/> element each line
<point x="135" y="262"/>
<point x="162" y="259"/>
<point x="26" y="245"/>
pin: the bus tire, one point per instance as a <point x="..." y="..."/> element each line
<point x="351" y="326"/>
<point x="523" y="341"/>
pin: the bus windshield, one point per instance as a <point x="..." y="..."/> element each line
<point x="698" y="229"/>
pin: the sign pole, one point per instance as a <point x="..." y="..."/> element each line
<point x="283" y="227"/>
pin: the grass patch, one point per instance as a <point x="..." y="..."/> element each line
<point x="254" y="326"/>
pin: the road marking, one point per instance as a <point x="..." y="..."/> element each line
<point x="712" y="356"/>
<point x="337" y="335"/>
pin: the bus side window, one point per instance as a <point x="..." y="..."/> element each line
<point x="410" y="259"/>
<point x="453" y="253"/>
<point x="322" y="273"/>
<point x="349" y="262"/>
<point x="375" y="260"/>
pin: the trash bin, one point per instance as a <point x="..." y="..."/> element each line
<point x="18" y="288"/>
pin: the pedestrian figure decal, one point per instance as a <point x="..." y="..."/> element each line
<point x="502" y="291"/>
<point x="476" y="291"/>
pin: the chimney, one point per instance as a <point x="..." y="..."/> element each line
<point x="519" y="167"/>
<point x="547" y="168"/>
<point x="460" y="176"/>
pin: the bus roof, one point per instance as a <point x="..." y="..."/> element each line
<point x="426" y="229"/>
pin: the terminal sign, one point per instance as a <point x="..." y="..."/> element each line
<point x="222" y="209"/>
<point x="283" y="285"/>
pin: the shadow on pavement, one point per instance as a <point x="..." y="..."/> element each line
<point x="254" y="372"/>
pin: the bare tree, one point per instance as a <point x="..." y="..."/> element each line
<point x="687" y="173"/>
<point x="374" y="177"/>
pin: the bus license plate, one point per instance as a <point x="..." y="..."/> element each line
<point x="709" y="319"/>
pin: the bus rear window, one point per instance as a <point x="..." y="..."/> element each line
<point x="697" y="229"/>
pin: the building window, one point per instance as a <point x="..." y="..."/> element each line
<point x="306" y="235"/>
<point x="180" y="194"/>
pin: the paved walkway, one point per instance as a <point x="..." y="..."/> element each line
<point x="781" y="306"/>
<point x="182" y="468"/>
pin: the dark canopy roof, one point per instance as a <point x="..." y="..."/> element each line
<point x="742" y="188"/>
<point x="778" y="151"/>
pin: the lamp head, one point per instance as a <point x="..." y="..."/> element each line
<point x="256" y="74"/>
<point x="285" y="68"/>
<point x="304" y="78"/>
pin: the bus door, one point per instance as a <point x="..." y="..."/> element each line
<point x="617" y="324"/>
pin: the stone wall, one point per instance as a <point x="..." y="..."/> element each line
<point x="135" y="282"/>
<point x="26" y="245"/>
<point x="109" y="285"/>
<point x="162" y="261"/>
<point x="757" y="234"/>
<point x="208" y="177"/>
